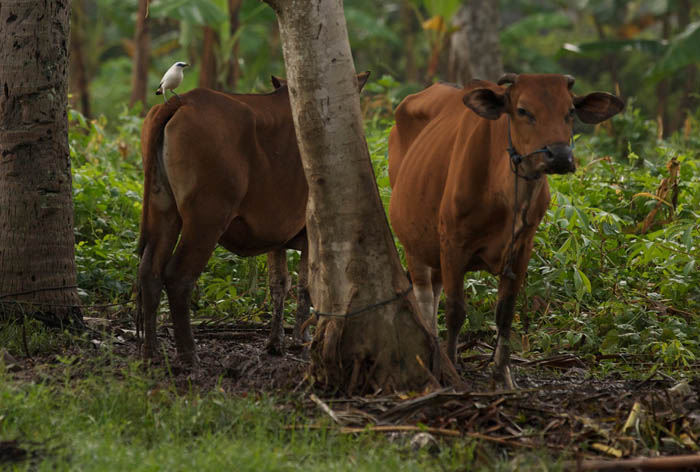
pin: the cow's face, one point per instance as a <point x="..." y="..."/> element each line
<point x="542" y="110"/>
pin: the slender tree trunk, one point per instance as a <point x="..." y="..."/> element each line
<point x="353" y="260"/>
<point x="37" y="262"/>
<point x="142" y="52"/>
<point x="77" y="73"/>
<point x="475" y="48"/>
<point x="688" y="100"/>
<point x="408" y="30"/>
<point x="232" y="69"/>
<point x="610" y="61"/>
<point x="207" y="69"/>
<point x="662" y="89"/>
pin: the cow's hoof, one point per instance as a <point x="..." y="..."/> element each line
<point x="302" y="338"/>
<point x="188" y="359"/>
<point x="503" y="378"/>
<point x="275" y="347"/>
<point x="149" y="355"/>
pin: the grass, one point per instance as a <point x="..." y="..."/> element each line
<point x="88" y="417"/>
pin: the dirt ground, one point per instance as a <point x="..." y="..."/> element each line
<point x="560" y="405"/>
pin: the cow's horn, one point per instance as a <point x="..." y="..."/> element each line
<point x="508" y="78"/>
<point x="570" y="81"/>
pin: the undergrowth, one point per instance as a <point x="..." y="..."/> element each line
<point x="604" y="277"/>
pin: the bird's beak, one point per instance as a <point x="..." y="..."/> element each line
<point x="186" y="65"/>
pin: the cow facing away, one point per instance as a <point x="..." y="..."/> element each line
<point x="219" y="169"/>
<point x="467" y="169"/>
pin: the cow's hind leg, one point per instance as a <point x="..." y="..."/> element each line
<point x="505" y="309"/>
<point x="452" y="261"/>
<point x="197" y="243"/>
<point x="160" y="237"/>
<point x="422" y="280"/>
<point x="278" y="276"/>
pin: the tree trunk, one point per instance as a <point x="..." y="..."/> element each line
<point x="662" y="89"/>
<point x="354" y="266"/>
<point x="232" y="69"/>
<point x="475" y="48"/>
<point x="37" y="262"/>
<point x="688" y="101"/>
<point x="142" y="52"/>
<point x="408" y="30"/>
<point x="207" y="69"/>
<point x="77" y="73"/>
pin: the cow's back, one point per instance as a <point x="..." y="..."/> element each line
<point x="412" y="116"/>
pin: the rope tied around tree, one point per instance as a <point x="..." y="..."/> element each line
<point x="364" y="310"/>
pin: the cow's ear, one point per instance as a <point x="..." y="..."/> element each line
<point x="597" y="106"/>
<point x="362" y="79"/>
<point x="278" y="82"/>
<point x="486" y="103"/>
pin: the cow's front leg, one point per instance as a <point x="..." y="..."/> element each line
<point x="505" y="309"/>
<point x="279" y="286"/>
<point x="508" y="288"/>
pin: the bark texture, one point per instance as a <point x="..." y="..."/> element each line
<point x="142" y="52"/>
<point x="37" y="261"/>
<point x="353" y="260"/>
<point x="475" y="48"/>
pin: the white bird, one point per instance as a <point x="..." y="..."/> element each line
<point x="172" y="79"/>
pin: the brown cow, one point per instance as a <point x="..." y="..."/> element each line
<point x="464" y="199"/>
<point x="219" y="169"/>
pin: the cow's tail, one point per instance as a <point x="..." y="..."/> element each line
<point x="152" y="134"/>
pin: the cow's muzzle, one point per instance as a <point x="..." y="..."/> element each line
<point x="559" y="159"/>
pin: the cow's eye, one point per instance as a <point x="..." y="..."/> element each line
<point x="570" y="115"/>
<point x="526" y="114"/>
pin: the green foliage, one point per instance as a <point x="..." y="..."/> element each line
<point x="21" y="337"/>
<point x="682" y="51"/>
<point x="611" y="288"/>
<point x="629" y="136"/>
<point x="200" y="12"/>
<point x="107" y="189"/>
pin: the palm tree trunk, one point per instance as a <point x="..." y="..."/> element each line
<point x="37" y="262"/>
